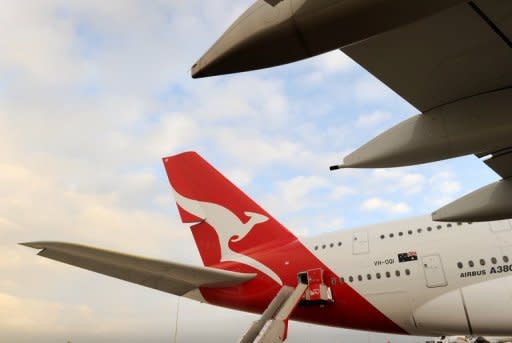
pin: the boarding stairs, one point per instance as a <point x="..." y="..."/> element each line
<point x="272" y="327"/>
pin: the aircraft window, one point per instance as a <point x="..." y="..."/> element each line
<point x="439" y="227"/>
<point x="429" y="229"/>
<point x="397" y="273"/>
<point x="419" y="230"/>
<point x="339" y="244"/>
<point x="482" y="262"/>
<point x="360" y="278"/>
<point x="382" y="236"/>
<point x="407" y="272"/>
<point x="342" y="279"/>
<point x="391" y="235"/>
<point x="505" y="259"/>
<point x="388" y="274"/>
<point x="471" y="264"/>
<point x="449" y="225"/>
<point x="351" y="278"/>
<point x="460" y="265"/>
<point x="369" y="276"/>
<point x="316" y="247"/>
<point x="324" y="246"/>
<point x="459" y="223"/>
<point x="409" y="232"/>
<point x="378" y="275"/>
<point x="400" y="234"/>
<point x="331" y="245"/>
<point x="494" y="260"/>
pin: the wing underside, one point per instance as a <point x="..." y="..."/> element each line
<point x="170" y="277"/>
<point x="458" y="53"/>
<point x="456" y="68"/>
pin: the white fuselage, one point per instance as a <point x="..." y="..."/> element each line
<point x="460" y="283"/>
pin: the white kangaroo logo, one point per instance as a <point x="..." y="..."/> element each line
<point x="229" y="228"/>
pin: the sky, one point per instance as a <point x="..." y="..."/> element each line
<point x="94" y="93"/>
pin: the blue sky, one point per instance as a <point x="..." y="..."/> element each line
<point x="93" y="94"/>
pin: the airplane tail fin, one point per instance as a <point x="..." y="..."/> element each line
<point x="227" y="225"/>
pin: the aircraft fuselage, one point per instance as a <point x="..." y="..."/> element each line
<point x="414" y="276"/>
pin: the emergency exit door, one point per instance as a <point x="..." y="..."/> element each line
<point x="434" y="271"/>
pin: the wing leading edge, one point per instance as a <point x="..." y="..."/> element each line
<point x="169" y="277"/>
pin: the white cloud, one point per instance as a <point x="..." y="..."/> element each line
<point x="41" y="316"/>
<point x="373" y="119"/>
<point x="297" y="193"/>
<point x="444" y="182"/>
<point x="43" y="203"/>
<point x="244" y="99"/>
<point x="370" y="89"/>
<point x="330" y="65"/>
<point x="398" y="180"/>
<point x="29" y="319"/>
<point x="6" y="225"/>
<point x="296" y="190"/>
<point x="444" y="188"/>
<point x="10" y="258"/>
<point x="378" y="204"/>
<point x="173" y="131"/>
<point x="259" y="150"/>
<point x="307" y="226"/>
<point x="239" y="177"/>
<point x="37" y="45"/>
<point x="340" y="192"/>
<point x="334" y="62"/>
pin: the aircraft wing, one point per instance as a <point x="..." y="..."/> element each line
<point x="461" y="52"/>
<point x="170" y="277"/>
<point x="456" y="68"/>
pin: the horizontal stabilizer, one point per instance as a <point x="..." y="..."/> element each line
<point x="170" y="277"/>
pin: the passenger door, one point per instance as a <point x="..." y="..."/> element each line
<point x="360" y="243"/>
<point x="434" y="271"/>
